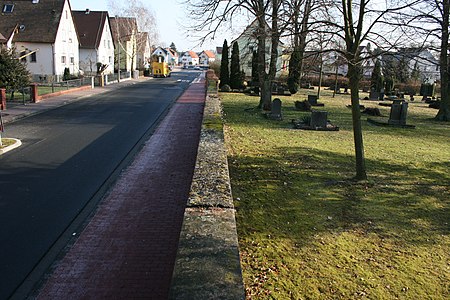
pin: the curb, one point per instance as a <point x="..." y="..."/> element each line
<point x="208" y="262"/>
<point x="17" y="143"/>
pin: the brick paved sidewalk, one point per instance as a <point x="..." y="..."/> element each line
<point x="128" y="249"/>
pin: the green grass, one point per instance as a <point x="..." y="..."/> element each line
<point x="6" y="142"/>
<point x="306" y="231"/>
<point x="42" y="90"/>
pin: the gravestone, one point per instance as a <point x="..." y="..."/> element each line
<point x="275" y="113"/>
<point x="399" y="110"/>
<point x="319" y="119"/>
<point x="312" y="99"/>
<point x="374" y="95"/>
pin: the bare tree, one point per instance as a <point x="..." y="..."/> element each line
<point x="358" y="22"/>
<point x="211" y="15"/>
<point x="429" y="19"/>
<point x="145" y="22"/>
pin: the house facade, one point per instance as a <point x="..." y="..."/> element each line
<point x="44" y="35"/>
<point x="248" y="42"/>
<point x="173" y="57"/>
<point x="124" y="32"/>
<point x="163" y="53"/>
<point x="206" y="57"/>
<point x="96" y="41"/>
<point x="143" y="50"/>
<point x="189" y="58"/>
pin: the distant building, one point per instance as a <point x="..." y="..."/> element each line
<point x="143" y="50"/>
<point x="189" y="58"/>
<point x="206" y="57"/>
<point x="96" y="41"/>
<point x="248" y="43"/>
<point x="417" y="60"/>
<point x="43" y="32"/>
<point x="125" y="35"/>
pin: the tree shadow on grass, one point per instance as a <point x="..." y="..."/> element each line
<point x="295" y="193"/>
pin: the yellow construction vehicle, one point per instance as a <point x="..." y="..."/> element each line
<point x="159" y="67"/>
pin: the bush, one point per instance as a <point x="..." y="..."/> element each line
<point x="409" y="88"/>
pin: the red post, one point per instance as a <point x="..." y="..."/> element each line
<point x="2" y="99"/>
<point x="34" y="93"/>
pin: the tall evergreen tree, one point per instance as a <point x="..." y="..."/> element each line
<point x="255" y="71"/>
<point x="376" y="81"/>
<point x="224" y="68"/>
<point x="13" y="74"/>
<point x="173" y="47"/>
<point x="236" y="79"/>
<point x="294" y="71"/>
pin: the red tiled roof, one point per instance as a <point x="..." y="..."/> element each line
<point x="210" y="54"/>
<point x="192" y="54"/>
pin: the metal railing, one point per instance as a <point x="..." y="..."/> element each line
<point x="53" y="87"/>
<point x="19" y="96"/>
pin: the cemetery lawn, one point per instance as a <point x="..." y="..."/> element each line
<point x="306" y="231"/>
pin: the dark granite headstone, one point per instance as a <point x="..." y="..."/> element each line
<point x="319" y="119"/>
<point x="374" y="95"/>
<point x="275" y="113"/>
<point x="312" y="99"/>
<point x="398" y="113"/>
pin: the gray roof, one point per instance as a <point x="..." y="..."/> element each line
<point x="38" y="22"/>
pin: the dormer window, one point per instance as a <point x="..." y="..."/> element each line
<point x="8" y="8"/>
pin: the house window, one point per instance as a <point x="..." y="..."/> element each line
<point x="104" y="43"/>
<point x="33" y="57"/>
<point x="109" y="44"/>
<point x="72" y="60"/>
<point x="8" y="8"/>
<point x="63" y="59"/>
<point x="249" y="64"/>
<point x="110" y="60"/>
<point x="70" y="40"/>
<point x="24" y="58"/>
<point x="67" y="15"/>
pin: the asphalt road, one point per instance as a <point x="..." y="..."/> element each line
<point x="66" y="161"/>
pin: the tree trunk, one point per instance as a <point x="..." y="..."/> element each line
<point x="265" y="100"/>
<point x="353" y="72"/>
<point x="444" y="110"/>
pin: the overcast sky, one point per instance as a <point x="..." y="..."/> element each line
<point x="169" y="15"/>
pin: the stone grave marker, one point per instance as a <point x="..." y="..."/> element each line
<point x="312" y="99"/>
<point x="319" y="119"/>
<point x="275" y="113"/>
<point x="399" y="110"/>
<point x="374" y="95"/>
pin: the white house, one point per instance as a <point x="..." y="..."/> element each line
<point x="424" y="62"/>
<point x="143" y="50"/>
<point x="248" y="43"/>
<point x="333" y="59"/>
<point x="162" y="52"/>
<point x="189" y="58"/>
<point x="206" y="57"/>
<point x="173" y="57"/>
<point x="44" y="35"/>
<point x="96" y="41"/>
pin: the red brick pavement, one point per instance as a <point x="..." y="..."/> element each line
<point x="128" y="249"/>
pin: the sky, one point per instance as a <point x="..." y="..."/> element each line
<point x="169" y="15"/>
